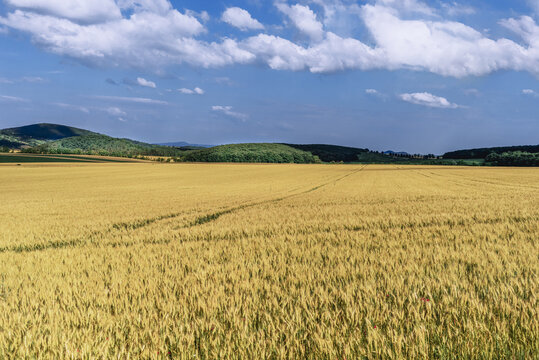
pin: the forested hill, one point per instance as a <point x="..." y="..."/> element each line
<point x="254" y="153"/>
<point x="331" y="153"/>
<point x="96" y="144"/>
<point x="482" y="153"/>
<point x="32" y="135"/>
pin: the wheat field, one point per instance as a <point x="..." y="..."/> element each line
<point x="218" y="261"/>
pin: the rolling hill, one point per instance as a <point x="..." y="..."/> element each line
<point x="59" y="139"/>
<point x="331" y="153"/>
<point x="97" y="144"/>
<point x="253" y="153"/>
<point x="37" y="134"/>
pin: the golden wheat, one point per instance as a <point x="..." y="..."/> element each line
<point x="268" y="261"/>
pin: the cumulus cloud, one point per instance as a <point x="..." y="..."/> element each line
<point x="75" y="10"/>
<point x="228" y="110"/>
<point x="241" y="19"/>
<point x="144" y="40"/>
<point x="146" y="83"/>
<point x="429" y="100"/>
<point x="203" y="15"/>
<point x="304" y="19"/>
<point x="195" y="91"/>
<point x="152" y="34"/>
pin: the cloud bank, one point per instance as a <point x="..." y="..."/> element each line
<point x="152" y="34"/>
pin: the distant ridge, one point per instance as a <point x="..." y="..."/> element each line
<point x="185" y="144"/>
<point x="391" y="152"/>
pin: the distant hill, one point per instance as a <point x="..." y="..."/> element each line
<point x="183" y="144"/>
<point x="329" y="153"/>
<point x="255" y="153"/>
<point x="482" y="153"/>
<point x="391" y="152"/>
<point x="97" y="144"/>
<point x="32" y="135"/>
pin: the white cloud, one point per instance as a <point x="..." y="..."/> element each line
<point x="241" y="19"/>
<point x="227" y="110"/>
<point x="75" y="10"/>
<point x="145" y="40"/>
<point x="73" y="107"/>
<point x="375" y="93"/>
<point x="152" y="35"/>
<point x="12" y="98"/>
<point x="5" y="81"/>
<point x="154" y="6"/>
<point x="526" y="28"/>
<point x="195" y="91"/>
<point x="427" y="99"/>
<point x="332" y="54"/>
<point x="304" y="19"/>
<point x="203" y="15"/>
<point x="115" y="111"/>
<point x="530" y="92"/>
<point x="442" y="47"/>
<point x="146" y="83"/>
<point x="131" y="99"/>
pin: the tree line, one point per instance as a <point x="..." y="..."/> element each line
<point x="514" y="158"/>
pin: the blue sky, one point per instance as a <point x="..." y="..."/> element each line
<point x="411" y="75"/>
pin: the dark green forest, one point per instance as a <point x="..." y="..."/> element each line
<point x="482" y="153"/>
<point x="103" y="145"/>
<point x="254" y="153"/>
<point x="514" y="158"/>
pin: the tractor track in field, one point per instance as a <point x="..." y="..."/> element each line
<point x="138" y="224"/>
